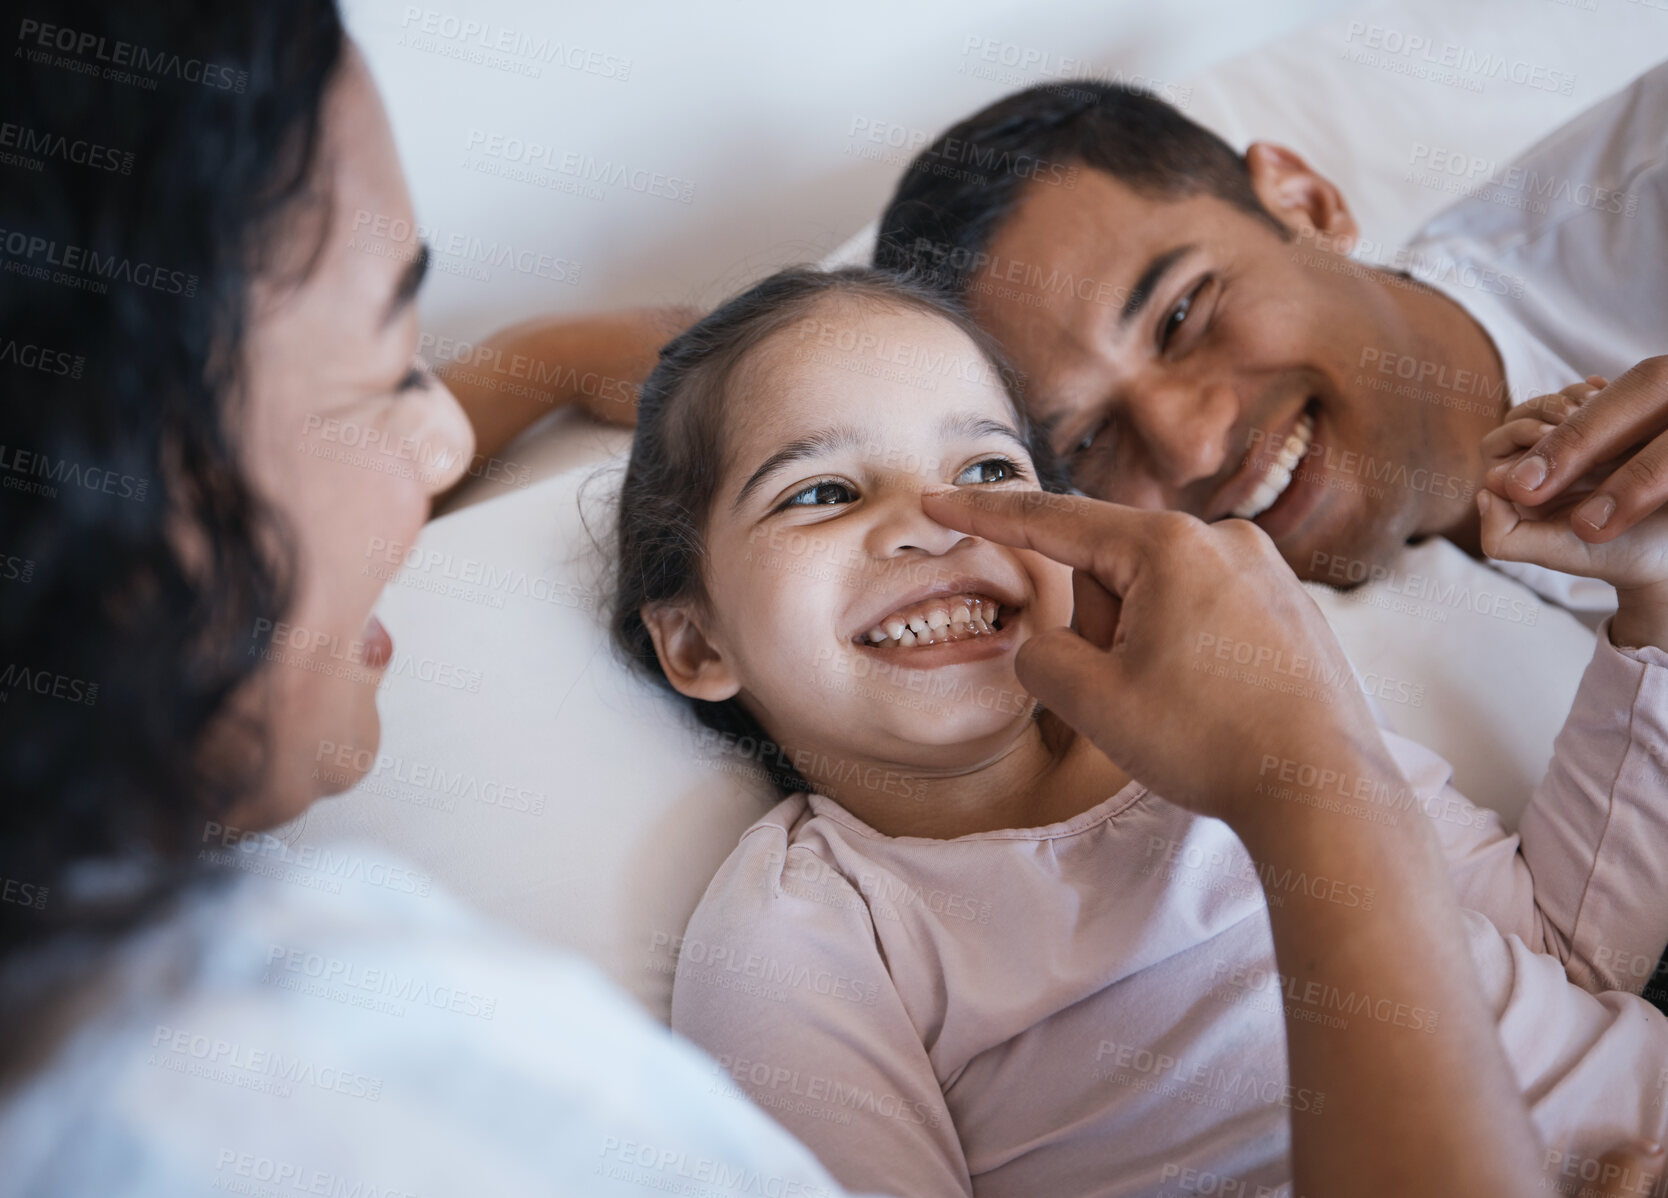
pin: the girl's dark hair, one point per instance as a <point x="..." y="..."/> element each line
<point x="158" y="149"/>
<point x="678" y="457"/>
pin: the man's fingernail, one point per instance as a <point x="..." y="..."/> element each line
<point x="1530" y="472"/>
<point x="1597" y="510"/>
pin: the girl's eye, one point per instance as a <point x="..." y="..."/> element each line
<point x="991" y="470"/>
<point x="823" y="493"/>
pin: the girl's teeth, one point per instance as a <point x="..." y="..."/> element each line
<point x="961" y="617"/>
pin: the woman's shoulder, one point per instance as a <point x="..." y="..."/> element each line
<point x="273" y="1021"/>
<point x="371" y="1037"/>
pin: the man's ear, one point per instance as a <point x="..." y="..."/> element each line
<point x="1301" y="198"/>
<point x="692" y="663"/>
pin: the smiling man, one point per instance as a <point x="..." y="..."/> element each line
<point x="1195" y="334"/>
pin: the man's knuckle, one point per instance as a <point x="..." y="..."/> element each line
<point x="1647" y="472"/>
<point x="1567" y="440"/>
<point x="1179" y="526"/>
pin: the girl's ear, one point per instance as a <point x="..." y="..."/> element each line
<point x="692" y="663"/>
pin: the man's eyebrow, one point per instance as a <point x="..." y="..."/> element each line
<point x="812" y="445"/>
<point x="411" y="278"/>
<point x="1149" y="281"/>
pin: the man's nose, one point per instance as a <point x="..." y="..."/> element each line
<point x="1183" y="428"/>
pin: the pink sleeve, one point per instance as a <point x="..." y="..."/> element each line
<point x="785" y="986"/>
<point x="1596" y="831"/>
<point x="1584" y="878"/>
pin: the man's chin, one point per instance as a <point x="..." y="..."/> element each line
<point x="1345" y="559"/>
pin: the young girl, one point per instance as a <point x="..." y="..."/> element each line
<point x="968" y="953"/>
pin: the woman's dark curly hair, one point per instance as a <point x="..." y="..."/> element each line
<point x="678" y="455"/>
<point x="154" y="150"/>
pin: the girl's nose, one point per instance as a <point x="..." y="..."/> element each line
<point x="905" y="527"/>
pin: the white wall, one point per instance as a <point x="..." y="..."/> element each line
<point x="756" y="108"/>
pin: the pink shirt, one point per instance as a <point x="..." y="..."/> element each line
<point x="1092" y="1007"/>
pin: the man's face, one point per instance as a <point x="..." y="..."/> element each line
<point x="1186" y="355"/>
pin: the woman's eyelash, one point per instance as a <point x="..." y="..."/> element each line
<point x="414" y="379"/>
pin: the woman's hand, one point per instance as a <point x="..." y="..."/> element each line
<point x="1556" y="534"/>
<point x="1198" y="663"/>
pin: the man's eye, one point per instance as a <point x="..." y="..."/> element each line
<point x="1087" y="441"/>
<point x="818" y="494"/>
<point x="1176" y="319"/>
<point x="991" y="470"/>
<point x="414" y="379"/>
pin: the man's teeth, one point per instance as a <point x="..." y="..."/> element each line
<point x="1278" y="476"/>
<point x="954" y="618"/>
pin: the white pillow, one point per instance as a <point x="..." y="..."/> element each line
<point x="1350" y="94"/>
<point x="1467" y="661"/>
<point x="534" y="774"/>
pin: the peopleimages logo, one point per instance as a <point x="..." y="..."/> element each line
<point x="128" y="63"/>
<point x="493" y="45"/>
<point x="93" y="267"/>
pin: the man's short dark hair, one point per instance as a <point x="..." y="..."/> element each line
<point x="960" y="190"/>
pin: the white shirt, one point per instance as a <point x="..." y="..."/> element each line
<point x="1561" y="258"/>
<point x="327" y="1023"/>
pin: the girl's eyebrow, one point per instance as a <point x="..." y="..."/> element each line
<point x="974" y="427"/>
<point x="813" y="445"/>
<point x="831" y="440"/>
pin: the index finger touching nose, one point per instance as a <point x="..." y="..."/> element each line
<point x="1085" y="534"/>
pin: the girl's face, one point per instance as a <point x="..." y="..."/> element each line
<point x="857" y="629"/>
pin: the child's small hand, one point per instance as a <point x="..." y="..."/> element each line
<point x="1635" y="563"/>
<point x="1543" y="535"/>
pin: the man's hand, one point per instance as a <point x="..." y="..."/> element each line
<point x="1626" y="421"/>
<point x="1198" y="663"/>
<point x="1554" y="534"/>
